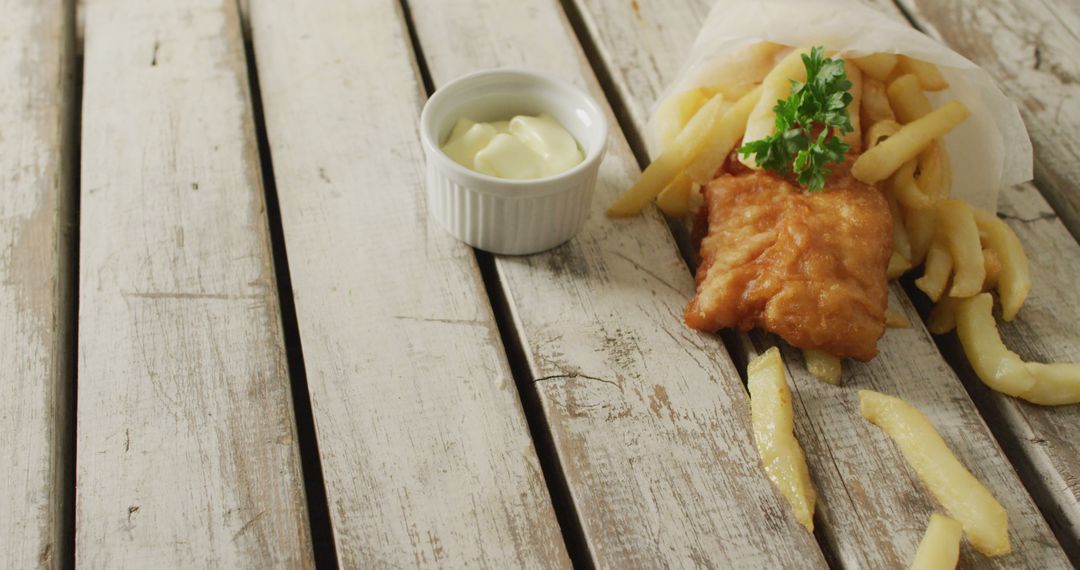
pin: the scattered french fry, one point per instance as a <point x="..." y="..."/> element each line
<point x="722" y="138"/>
<point x="881" y="161"/>
<point x="775" y="86"/>
<point x="930" y="77"/>
<point x="935" y="278"/>
<point x="940" y="546"/>
<point x="674" y="200"/>
<point x="907" y="99"/>
<point x="997" y="366"/>
<point x="962" y="495"/>
<point x="876" y="65"/>
<point x="823" y="366"/>
<point x="961" y="236"/>
<point x="670" y="163"/>
<point x="1003" y="370"/>
<point x="896" y="320"/>
<point x="773" y="423"/>
<point x="1014" y="282"/>
<point x="1056" y="384"/>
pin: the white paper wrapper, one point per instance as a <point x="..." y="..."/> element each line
<point x="989" y="151"/>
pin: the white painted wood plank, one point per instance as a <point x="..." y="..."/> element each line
<point x="36" y="272"/>
<point x="187" y="453"/>
<point x="873" y="516"/>
<point x="1030" y="48"/>
<point x="426" y="455"/>
<point x="650" y="420"/>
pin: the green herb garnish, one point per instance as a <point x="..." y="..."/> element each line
<point x="820" y="105"/>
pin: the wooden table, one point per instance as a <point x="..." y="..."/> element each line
<point x="235" y="339"/>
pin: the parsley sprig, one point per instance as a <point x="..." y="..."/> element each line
<point x="819" y="105"/>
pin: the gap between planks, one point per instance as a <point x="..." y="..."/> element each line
<point x="561" y="500"/>
<point x="322" y="532"/>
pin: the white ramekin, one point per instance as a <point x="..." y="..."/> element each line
<point x="511" y="216"/>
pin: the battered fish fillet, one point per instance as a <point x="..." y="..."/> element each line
<point x="810" y="267"/>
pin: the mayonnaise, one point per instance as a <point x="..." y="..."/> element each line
<point x="522" y="148"/>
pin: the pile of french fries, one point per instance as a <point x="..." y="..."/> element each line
<point x="965" y="252"/>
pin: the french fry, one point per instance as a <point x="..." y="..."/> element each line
<point x="896" y="320"/>
<point x="907" y="99"/>
<point x="880" y="131"/>
<point x="963" y="496"/>
<point x="961" y="235"/>
<point x="935" y="278"/>
<point x="943" y="315"/>
<point x="1003" y="370"/>
<point x="876" y="65"/>
<point x="674" y="199"/>
<point x="898" y="266"/>
<point x="907" y="191"/>
<point x="935" y="173"/>
<point x="722" y="138"/>
<point x="940" y="546"/>
<point x="876" y="106"/>
<point x="930" y="77"/>
<point x="775" y="86"/>
<point x="993" y="269"/>
<point x="823" y="366"/>
<point x="1056" y="384"/>
<point x="920" y="228"/>
<point x="1014" y="282"/>
<point x="773" y="423"/>
<point x="997" y="366"/>
<point x="675" y="111"/>
<point x="901" y="243"/>
<point x="670" y="163"/>
<point x="881" y="161"/>
<point x="854" y="75"/>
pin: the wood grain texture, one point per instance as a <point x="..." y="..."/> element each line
<point x="425" y="451"/>
<point x="1030" y="48"/>
<point x="36" y="272"/>
<point x="187" y="453"/>
<point x="650" y="420"/>
<point x="872" y="506"/>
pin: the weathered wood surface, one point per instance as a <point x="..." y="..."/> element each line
<point x="187" y="453"/>
<point x="1030" y="48"/>
<point x="425" y="451"/>
<point x="36" y="272"/>
<point x="649" y="419"/>
<point x="872" y="517"/>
